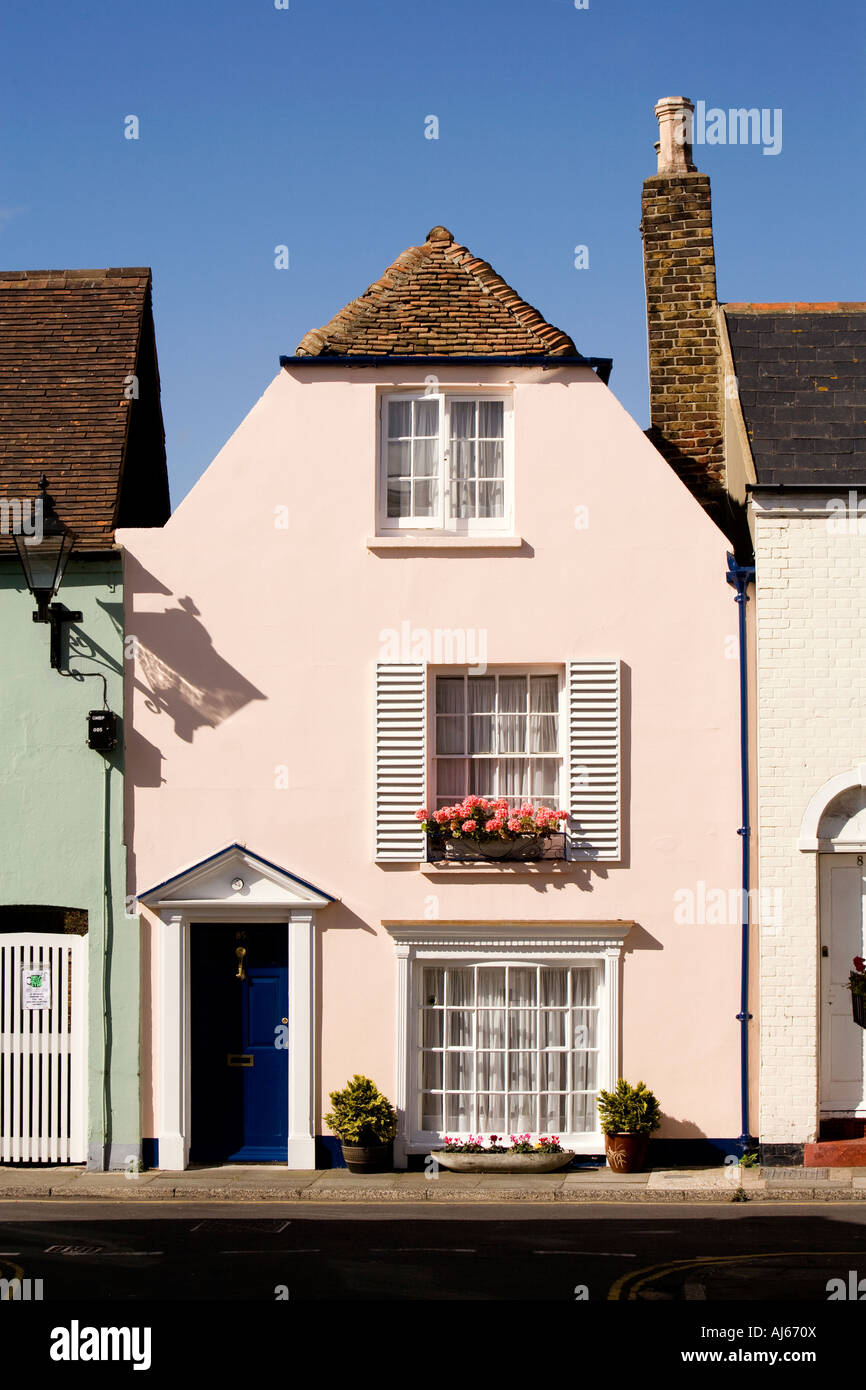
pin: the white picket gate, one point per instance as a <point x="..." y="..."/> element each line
<point x="43" y="1051"/>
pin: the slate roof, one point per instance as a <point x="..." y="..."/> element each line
<point x="437" y="299"/>
<point x="69" y="339"/>
<point x="801" y="374"/>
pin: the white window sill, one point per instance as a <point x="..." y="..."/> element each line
<point x="435" y="540"/>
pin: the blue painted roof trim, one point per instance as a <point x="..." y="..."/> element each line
<point x="185" y="873"/>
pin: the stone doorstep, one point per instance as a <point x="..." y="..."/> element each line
<point x="835" y="1153"/>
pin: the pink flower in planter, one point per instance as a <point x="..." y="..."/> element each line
<point x="468" y="826"/>
<point x="423" y="814"/>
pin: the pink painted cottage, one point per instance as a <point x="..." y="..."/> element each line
<point x="436" y="559"/>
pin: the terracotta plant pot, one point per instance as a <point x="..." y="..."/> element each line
<point x="626" y="1153"/>
<point x="502" y="1163"/>
<point x="369" y="1158"/>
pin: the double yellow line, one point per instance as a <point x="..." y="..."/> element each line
<point x="629" y="1285"/>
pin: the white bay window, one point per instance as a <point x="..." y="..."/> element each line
<point x="505" y="1028"/>
<point x="444" y="463"/>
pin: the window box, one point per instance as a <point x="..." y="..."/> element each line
<point x="524" y="848"/>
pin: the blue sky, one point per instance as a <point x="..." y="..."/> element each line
<point x="305" y="127"/>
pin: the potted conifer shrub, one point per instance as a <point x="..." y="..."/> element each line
<point x="628" y="1116"/>
<point x="365" y="1123"/>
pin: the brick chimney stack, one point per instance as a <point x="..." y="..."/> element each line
<point x="686" y="386"/>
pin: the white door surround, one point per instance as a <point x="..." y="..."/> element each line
<point x="842" y="879"/>
<point x="834" y="831"/>
<point x="233" y="885"/>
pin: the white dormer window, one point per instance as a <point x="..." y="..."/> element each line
<point x="445" y="463"/>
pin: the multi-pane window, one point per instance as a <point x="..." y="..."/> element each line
<point x="477" y="458"/>
<point x="444" y="461"/>
<point x="497" y="735"/>
<point x="509" y="1049"/>
<point x="412" y="458"/>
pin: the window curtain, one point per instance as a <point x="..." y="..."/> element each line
<point x="518" y="1041"/>
<point x="425" y="458"/>
<point x="477" y="458"/>
<point x="491" y="486"/>
<point x="463" y="470"/>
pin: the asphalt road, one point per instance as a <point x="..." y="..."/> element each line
<point x="275" y="1252"/>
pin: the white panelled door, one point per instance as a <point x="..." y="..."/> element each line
<point x="843" y="1042"/>
<point x="43" y="1048"/>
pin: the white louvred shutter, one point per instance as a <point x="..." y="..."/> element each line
<point x="595" y="772"/>
<point x="401" y="758"/>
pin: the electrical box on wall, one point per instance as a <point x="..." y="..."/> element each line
<point x="102" y="730"/>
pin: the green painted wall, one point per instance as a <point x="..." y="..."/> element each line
<point x="61" y="821"/>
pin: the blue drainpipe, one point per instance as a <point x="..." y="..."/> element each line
<point x="740" y="576"/>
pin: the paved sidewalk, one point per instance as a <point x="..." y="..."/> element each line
<point x="273" y="1184"/>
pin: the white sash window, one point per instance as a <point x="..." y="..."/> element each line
<point x="512" y="734"/>
<point x="497" y="735"/>
<point x="505" y="1028"/>
<point x="445" y="463"/>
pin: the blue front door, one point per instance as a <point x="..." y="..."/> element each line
<point x="240" y="1060"/>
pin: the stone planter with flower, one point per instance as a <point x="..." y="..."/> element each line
<point x="471" y="1155"/>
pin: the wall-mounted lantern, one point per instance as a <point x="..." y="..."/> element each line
<point x="44" y="562"/>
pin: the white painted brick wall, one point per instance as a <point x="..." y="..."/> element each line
<point x="811" y="691"/>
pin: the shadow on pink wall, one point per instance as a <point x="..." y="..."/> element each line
<point x="181" y="673"/>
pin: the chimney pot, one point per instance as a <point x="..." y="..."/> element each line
<point x="674" y="148"/>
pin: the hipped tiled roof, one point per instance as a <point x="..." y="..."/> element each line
<point x="437" y="299"/>
<point x="70" y="340"/>
<point x="801" y="379"/>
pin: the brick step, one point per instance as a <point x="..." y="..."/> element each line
<point x="836" y="1153"/>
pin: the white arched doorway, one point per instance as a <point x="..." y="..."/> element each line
<point x="834" y="829"/>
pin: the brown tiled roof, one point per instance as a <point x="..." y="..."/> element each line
<point x="69" y="339"/>
<point x="437" y="299"/>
